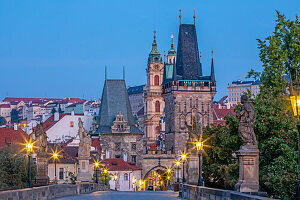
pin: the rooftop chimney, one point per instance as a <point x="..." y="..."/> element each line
<point x="56" y="116"/>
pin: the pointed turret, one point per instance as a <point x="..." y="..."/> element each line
<point x="155" y="55"/>
<point x="172" y="51"/>
<point x="212" y="70"/>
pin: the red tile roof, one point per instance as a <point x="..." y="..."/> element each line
<point x="96" y="144"/>
<point x="43" y="100"/>
<point x="118" y="164"/>
<point x="9" y="136"/>
<point x="220" y="113"/>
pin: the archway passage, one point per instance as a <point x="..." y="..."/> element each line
<point x="156" y="179"/>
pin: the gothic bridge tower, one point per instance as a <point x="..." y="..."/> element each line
<point x="186" y="92"/>
<point x="154" y="104"/>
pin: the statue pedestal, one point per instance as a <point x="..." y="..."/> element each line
<point x="42" y="178"/>
<point x="84" y="175"/>
<point x="249" y="169"/>
<point x="192" y="169"/>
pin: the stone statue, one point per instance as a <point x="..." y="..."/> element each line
<point x="85" y="141"/>
<point x="41" y="139"/>
<point x="247" y="119"/>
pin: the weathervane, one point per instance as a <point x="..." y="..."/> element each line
<point x="180" y="15"/>
<point x="194" y="17"/>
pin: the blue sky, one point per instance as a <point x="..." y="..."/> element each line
<point x="59" y="48"/>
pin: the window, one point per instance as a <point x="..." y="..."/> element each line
<point x="61" y="173"/>
<point x="133" y="146"/>
<point x="157" y="106"/>
<point x="125" y="177"/>
<point x="133" y="159"/>
<point x="117" y="146"/>
<point x="156" y="80"/>
<point x="117" y="156"/>
<point x="71" y="124"/>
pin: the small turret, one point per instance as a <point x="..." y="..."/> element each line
<point x="155" y="55"/>
<point x="212" y="70"/>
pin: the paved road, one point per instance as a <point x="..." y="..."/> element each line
<point x="112" y="195"/>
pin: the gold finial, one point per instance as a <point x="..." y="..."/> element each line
<point x="154" y="34"/>
<point x="180" y="15"/>
<point x="212" y="53"/>
<point x="200" y="54"/>
<point x="194" y="17"/>
<point x="172" y="43"/>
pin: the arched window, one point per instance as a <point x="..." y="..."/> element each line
<point x="157" y="106"/>
<point x="125" y="177"/>
<point x="156" y="80"/>
<point x="157" y="130"/>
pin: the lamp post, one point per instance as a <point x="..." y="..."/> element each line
<point x="133" y="183"/>
<point x="105" y="172"/>
<point x="183" y="158"/>
<point x="199" y="146"/>
<point x="115" y="179"/>
<point x="55" y="156"/>
<point x="295" y="101"/>
<point x="29" y="149"/>
<point x="96" y="165"/>
<point x="177" y="164"/>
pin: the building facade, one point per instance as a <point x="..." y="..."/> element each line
<point x="120" y="136"/>
<point x="237" y="88"/>
<point x="154" y="102"/>
<point x="187" y="93"/>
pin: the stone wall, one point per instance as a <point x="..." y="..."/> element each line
<point x="49" y="192"/>
<point x="192" y="192"/>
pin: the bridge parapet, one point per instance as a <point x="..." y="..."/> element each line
<point x="192" y="192"/>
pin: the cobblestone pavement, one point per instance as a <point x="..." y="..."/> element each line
<point x="112" y="195"/>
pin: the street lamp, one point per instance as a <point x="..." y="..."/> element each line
<point x="105" y="172"/>
<point x="177" y="164"/>
<point x="55" y="156"/>
<point x="295" y="101"/>
<point x="199" y="147"/>
<point x="183" y="157"/>
<point x="96" y="165"/>
<point x="29" y="150"/>
<point x="115" y="179"/>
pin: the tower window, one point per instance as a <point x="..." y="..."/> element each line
<point x="156" y="80"/>
<point x="157" y="106"/>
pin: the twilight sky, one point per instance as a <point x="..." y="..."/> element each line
<point x="59" y="48"/>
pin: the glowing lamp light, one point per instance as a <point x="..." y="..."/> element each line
<point x="295" y="101"/>
<point x="115" y="177"/>
<point x="177" y="163"/>
<point x="199" y="145"/>
<point x="134" y="180"/>
<point x="183" y="156"/>
<point x="96" y="164"/>
<point x="105" y="171"/>
<point x="29" y="147"/>
<point x="168" y="177"/>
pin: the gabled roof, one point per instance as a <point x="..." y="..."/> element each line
<point x="50" y="121"/>
<point x="118" y="164"/>
<point x="188" y="65"/>
<point x="9" y="136"/>
<point x="115" y="100"/>
<point x="136" y="89"/>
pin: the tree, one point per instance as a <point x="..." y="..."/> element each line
<point x="14" y="116"/>
<point x="275" y="124"/>
<point x="2" y="121"/>
<point x="13" y="169"/>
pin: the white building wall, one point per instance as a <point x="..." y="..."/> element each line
<point x="63" y="126"/>
<point x="122" y="183"/>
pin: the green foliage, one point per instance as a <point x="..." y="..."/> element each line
<point x="2" y="121"/>
<point x="14" y="116"/>
<point x="106" y="177"/>
<point x="13" y="169"/>
<point x="72" y="177"/>
<point x="275" y="125"/>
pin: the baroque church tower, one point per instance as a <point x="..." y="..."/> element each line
<point x="188" y="95"/>
<point x="154" y="103"/>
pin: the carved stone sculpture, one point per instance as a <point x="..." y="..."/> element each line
<point x="42" y="156"/>
<point x="247" y="119"/>
<point x="84" y="153"/>
<point x="248" y="154"/>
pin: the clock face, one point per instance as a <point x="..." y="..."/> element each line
<point x="156" y="67"/>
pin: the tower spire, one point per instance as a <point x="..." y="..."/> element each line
<point x="180" y="16"/>
<point x="212" y="70"/>
<point x="194" y="18"/>
<point x="105" y="72"/>
<point x="123" y="72"/>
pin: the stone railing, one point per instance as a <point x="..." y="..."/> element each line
<point x="50" y="191"/>
<point x="192" y="192"/>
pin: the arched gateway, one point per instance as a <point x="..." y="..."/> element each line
<point x="155" y="170"/>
